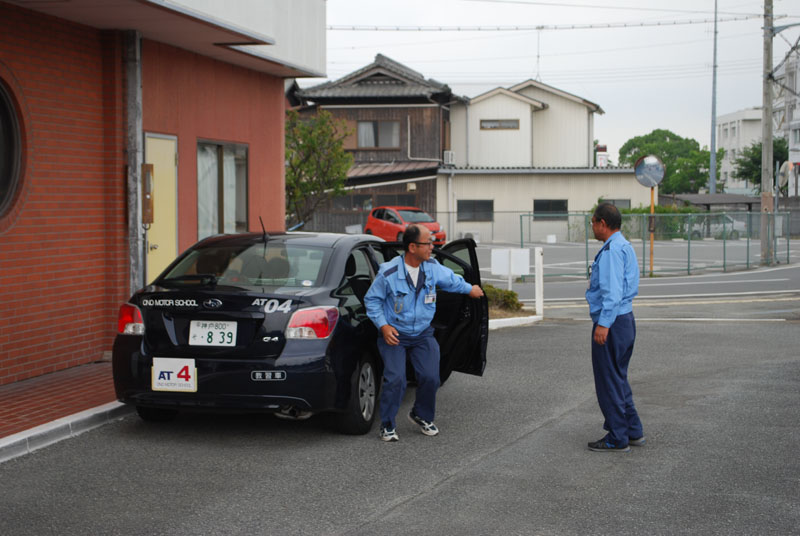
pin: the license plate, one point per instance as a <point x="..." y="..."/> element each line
<point x="172" y="374"/>
<point x="212" y="333"/>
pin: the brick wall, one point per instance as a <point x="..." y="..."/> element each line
<point x="63" y="244"/>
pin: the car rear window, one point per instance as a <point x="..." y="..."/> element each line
<point x="277" y="264"/>
<point x="415" y="216"/>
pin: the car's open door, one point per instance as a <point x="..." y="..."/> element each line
<point x="461" y="322"/>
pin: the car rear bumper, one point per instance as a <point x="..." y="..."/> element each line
<point x="306" y="382"/>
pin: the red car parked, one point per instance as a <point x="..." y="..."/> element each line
<point x="390" y="222"/>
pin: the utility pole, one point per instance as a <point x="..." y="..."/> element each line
<point x="712" y="175"/>
<point x="766" y="139"/>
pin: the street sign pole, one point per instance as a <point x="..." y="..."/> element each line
<point x="652" y="225"/>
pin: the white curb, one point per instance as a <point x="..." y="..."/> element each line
<point x="52" y="432"/>
<point x="498" y="323"/>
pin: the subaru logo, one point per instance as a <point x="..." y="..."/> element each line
<point x="212" y="303"/>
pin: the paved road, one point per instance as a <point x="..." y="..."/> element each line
<point x="719" y="401"/>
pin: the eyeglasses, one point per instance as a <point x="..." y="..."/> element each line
<point x="424" y="243"/>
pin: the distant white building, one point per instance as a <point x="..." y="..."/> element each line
<point x="530" y="124"/>
<point x="786" y="111"/>
<point x="735" y="131"/>
<point x="521" y="165"/>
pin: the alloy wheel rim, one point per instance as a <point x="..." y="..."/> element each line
<point x="366" y="391"/>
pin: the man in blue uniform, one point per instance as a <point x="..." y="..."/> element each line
<point x="401" y="303"/>
<point x="613" y="284"/>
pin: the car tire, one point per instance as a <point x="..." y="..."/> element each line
<point x="362" y="406"/>
<point x="156" y="414"/>
<point x="695" y="235"/>
<point x="734" y="235"/>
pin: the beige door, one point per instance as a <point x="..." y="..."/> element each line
<point x="162" y="237"/>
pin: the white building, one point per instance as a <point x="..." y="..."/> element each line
<point x="523" y="165"/>
<point x="786" y="112"/>
<point x="530" y="124"/>
<point x="735" y="131"/>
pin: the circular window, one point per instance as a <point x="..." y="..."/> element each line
<point x="10" y="149"/>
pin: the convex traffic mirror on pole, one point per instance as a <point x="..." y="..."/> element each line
<point x="649" y="172"/>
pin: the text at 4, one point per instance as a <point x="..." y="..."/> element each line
<point x="173" y="374"/>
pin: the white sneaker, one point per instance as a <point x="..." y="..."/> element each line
<point x="427" y="428"/>
<point x="389" y="434"/>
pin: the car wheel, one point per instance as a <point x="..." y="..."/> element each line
<point x="695" y="235"/>
<point x="399" y="237"/>
<point x="156" y="414"/>
<point x="357" y="419"/>
<point x="734" y="235"/>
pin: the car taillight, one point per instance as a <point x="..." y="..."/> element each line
<point x="129" y="320"/>
<point x="313" y="323"/>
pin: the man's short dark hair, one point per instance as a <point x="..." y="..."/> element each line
<point x="610" y="214"/>
<point x="411" y="235"/>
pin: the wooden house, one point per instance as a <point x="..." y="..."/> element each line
<point x="399" y="124"/>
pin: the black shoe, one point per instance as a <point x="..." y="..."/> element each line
<point x="601" y="445"/>
<point x="636" y="441"/>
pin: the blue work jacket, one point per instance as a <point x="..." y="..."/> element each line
<point x="614" y="281"/>
<point x="392" y="299"/>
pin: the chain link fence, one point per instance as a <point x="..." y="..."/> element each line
<point x="684" y="243"/>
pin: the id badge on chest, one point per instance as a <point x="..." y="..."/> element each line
<point x="430" y="298"/>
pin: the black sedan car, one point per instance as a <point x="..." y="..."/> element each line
<point x="277" y="323"/>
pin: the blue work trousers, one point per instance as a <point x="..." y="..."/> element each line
<point x="610" y="363"/>
<point x="423" y="350"/>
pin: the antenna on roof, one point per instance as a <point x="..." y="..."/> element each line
<point x="265" y="235"/>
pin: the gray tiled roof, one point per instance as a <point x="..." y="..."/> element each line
<point x="382" y="78"/>
<point x="368" y="169"/>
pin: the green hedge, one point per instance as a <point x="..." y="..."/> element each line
<point x="502" y="299"/>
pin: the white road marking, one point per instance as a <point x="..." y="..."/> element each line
<point x="644" y="303"/>
<point x="649" y="284"/>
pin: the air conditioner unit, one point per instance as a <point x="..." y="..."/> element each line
<point x="475" y="235"/>
<point x="449" y="158"/>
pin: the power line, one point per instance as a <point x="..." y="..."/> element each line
<point x="606" y="7"/>
<point x="545" y="55"/>
<point x="540" y="27"/>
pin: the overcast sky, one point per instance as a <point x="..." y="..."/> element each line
<point x="643" y="77"/>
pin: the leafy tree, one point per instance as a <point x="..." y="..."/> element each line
<point x="316" y="162"/>
<point x="687" y="164"/>
<point x="747" y="166"/>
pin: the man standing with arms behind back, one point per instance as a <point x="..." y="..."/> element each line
<point x="613" y="284"/>
<point x="401" y="303"/>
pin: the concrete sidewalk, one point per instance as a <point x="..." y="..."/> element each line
<point x="40" y="411"/>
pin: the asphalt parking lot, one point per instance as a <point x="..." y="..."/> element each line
<point x="718" y="399"/>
